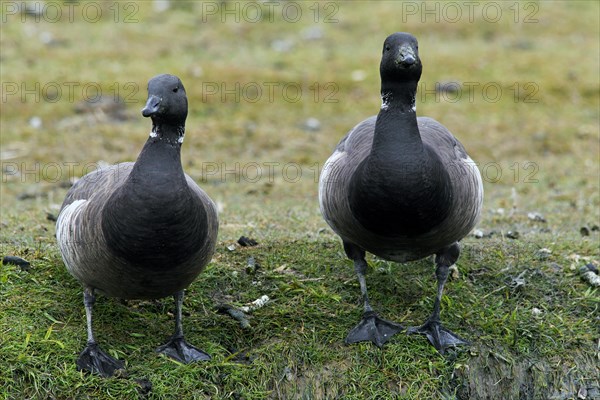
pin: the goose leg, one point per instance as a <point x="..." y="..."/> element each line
<point x="93" y="358"/>
<point x="177" y="348"/>
<point x="440" y="337"/>
<point x="371" y="326"/>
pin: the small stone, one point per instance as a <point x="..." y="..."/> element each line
<point x="282" y="45"/>
<point x="246" y="242"/>
<point x="536" y="216"/>
<point x="543" y="253"/>
<point x="251" y="265"/>
<point x="312" y="33"/>
<point x="161" y="5"/>
<point x="478" y="233"/>
<point x="35" y="122"/>
<point x="231" y="247"/>
<point x="358" y="75"/>
<point x="585" y="231"/>
<point x="536" y="312"/>
<point x="512" y="234"/>
<point x="312" y="124"/>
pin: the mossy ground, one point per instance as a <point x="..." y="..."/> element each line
<point x="532" y="321"/>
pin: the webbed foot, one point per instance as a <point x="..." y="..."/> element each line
<point x="178" y="349"/>
<point x="373" y="328"/>
<point x="96" y="361"/>
<point x="440" y="337"/>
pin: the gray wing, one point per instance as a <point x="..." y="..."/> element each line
<point x="336" y="174"/>
<point x="466" y="180"/>
<point x="101" y="183"/>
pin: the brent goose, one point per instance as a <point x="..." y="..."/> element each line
<point x="140" y="230"/>
<point x="402" y="188"/>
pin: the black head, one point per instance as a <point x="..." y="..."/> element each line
<point x="167" y="101"/>
<point x="400" y="58"/>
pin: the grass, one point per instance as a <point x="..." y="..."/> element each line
<point x="532" y="320"/>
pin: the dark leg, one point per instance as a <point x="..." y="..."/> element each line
<point x="371" y="327"/>
<point x="177" y="348"/>
<point x="440" y="337"/>
<point x="92" y="358"/>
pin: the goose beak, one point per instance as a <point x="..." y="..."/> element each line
<point x="151" y="106"/>
<point x="406" y="56"/>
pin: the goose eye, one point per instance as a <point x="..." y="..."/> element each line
<point x="175" y="89"/>
<point x="387" y="48"/>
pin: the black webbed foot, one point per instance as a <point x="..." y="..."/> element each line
<point x="440" y="337"/>
<point x="178" y="349"/>
<point x="93" y="359"/>
<point x="373" y="328"/>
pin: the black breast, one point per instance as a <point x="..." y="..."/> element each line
<point x="154" y="230"/>
<point x="401" y="198"/>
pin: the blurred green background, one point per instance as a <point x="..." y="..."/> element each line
<point x="272" y="87"/>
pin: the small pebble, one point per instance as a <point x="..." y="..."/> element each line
<point x="536" y="312"/>
<point x="585" y="231"/>
<point x="358" y="75"/>
<point x="231" y="247"/>
<point x="282" y="45"/>
<point x="251" y="265"/>
<point x="543" y="253"/>
<point x="536" y="216"/>
<point x="312" y="33"/>
<point x="478" y="233"/>
<point x="35" y="122"/>
<point x="245" y="241"/>
<point x="312" y="124"/>
<point x="512" y="234"/>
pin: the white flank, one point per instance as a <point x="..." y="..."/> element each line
<point x="325" y="174"/>
<point x="472" y="167"/>
<point x="180" y="140"/>
<point x="153" y="134"/>
<point x="66" y="230"/>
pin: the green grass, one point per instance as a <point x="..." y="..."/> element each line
<point x="547" y="152"/>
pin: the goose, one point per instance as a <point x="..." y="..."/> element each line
<point x="403" y="188"/>
<point x="140" y="230"/>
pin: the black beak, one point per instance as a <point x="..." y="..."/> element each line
<point x="152" y="105"/>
